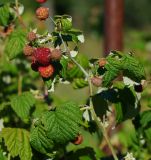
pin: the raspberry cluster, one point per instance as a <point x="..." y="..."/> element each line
<point x="42" y="57"/>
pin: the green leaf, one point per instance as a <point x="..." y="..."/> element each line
<point x="113" y="68"/>
<point x="119" y="112"/>
<point x="65" y="22"/>
<point x="74" y="71"/>
<point x="40" y="108"/>
<point x="62" y="124"/>
<point x="147" y="133"/>
<point x="4" y="15"/>
<point x="109" y="76"/>
<point x="76" y="34"/>
<point x="145" y="118"/>
<point x="22" y="104"/>
<point x="40" y="141"/>
<point x="125" y="64"/>
<point x="133" y="69"/>
<point x="15" y="43"/>
<point x="64" y="63"/>
<point x="17" y="142"/>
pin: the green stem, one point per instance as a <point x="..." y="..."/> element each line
<point x="99" y="123"/>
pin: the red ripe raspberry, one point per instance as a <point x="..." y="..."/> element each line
<point x="56" y="54"/>
<point x="102" y="62"/>
<point x="34" y="65"/>
<point x="41" y="1"/>
<point x="78" y="140"/>
<point x="46" y="71"/>
<point x="96" y="81"/>
<point x="28" y="50"/>
<point x="42" y="56"/>
<point x="31" y="36"/>
<point x="42" y="13"/>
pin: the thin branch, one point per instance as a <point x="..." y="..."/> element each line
<point x="18" y="15"/>
<point x="52" y="20"/>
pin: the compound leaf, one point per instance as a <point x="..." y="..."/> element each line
<point x="17" y="142"/>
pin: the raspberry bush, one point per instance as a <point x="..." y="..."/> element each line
<point x="35" y="129"/>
